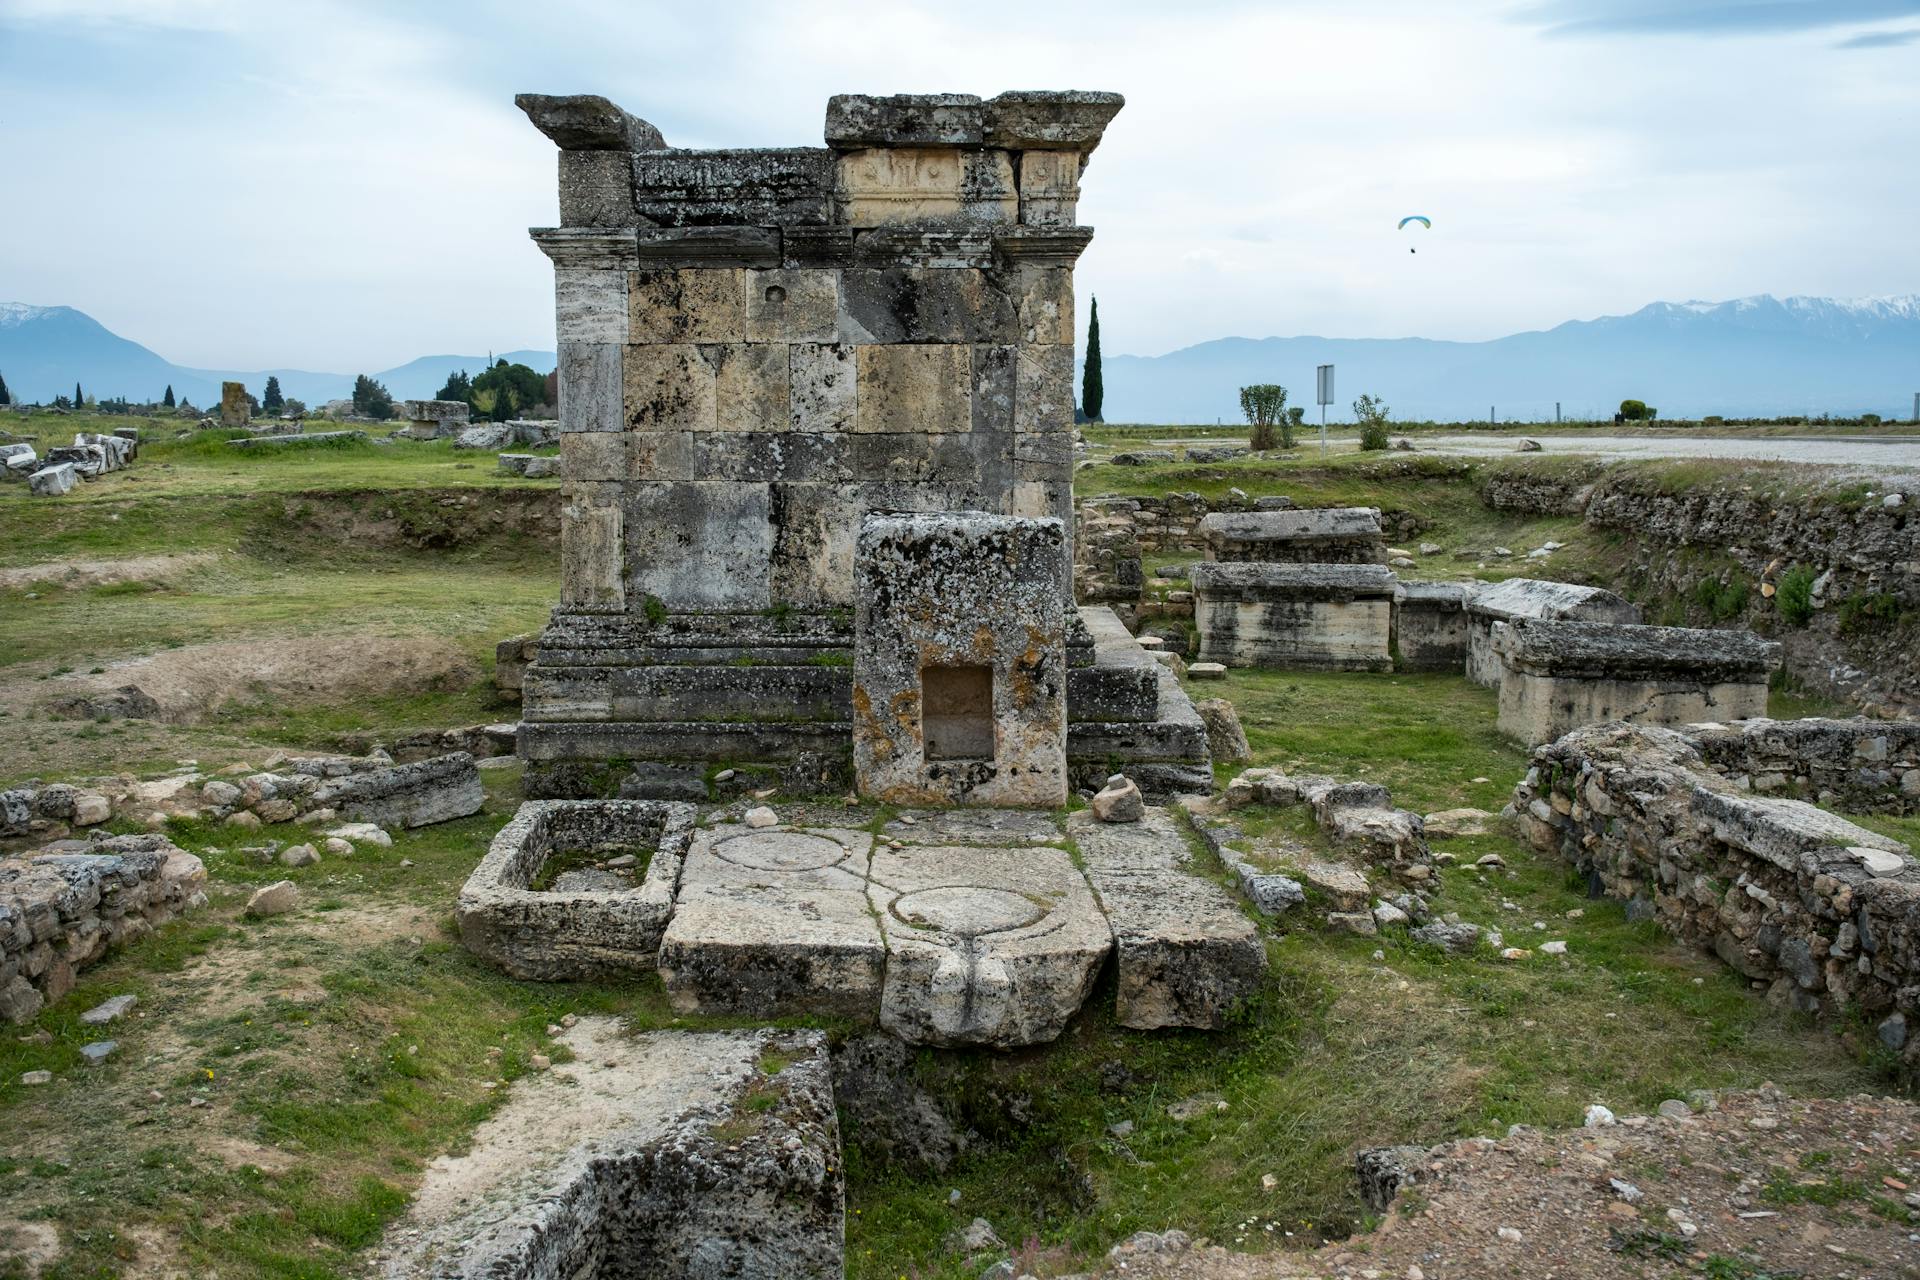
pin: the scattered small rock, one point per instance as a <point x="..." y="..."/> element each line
<point x="36" y="1077"/>
<point x="99" y="1051"/>
<point x="1119" y="801"/>
<point x="760" y="817"/>
<point x="299" y="855"/>
<point x="107" y="1010"/>
<point x="1598" y="1117"/>
<point x="273" y="899"/>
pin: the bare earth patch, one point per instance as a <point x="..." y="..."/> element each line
<point x="1761" y="1186"/>
<point x="158" y="570"/>
<point x="194" y="681"/>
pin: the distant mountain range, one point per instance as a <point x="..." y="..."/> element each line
<point x="45" y="350"/>
<point x="1749" y="357"/>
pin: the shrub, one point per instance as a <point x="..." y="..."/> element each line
<point x="1794" y="597"/>
<point x="1868" y="612"/>
<point x="1265" y="405"/>
<point x="1371" y="414"/>
<point x="1722" y="601"/>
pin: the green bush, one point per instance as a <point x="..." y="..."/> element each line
<point x="1371" y="414"/>
<point x="1722" y="601"/>
<point x="1867" y="612"/>
<point x="1794" y="598"/>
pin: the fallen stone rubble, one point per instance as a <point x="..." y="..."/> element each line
<point x="64" y="906"/>
<point x="1824" y="914"/>
<point x="1862" y="765"/>
<point x="311" y="789"/>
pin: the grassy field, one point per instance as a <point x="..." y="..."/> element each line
<point x="282" y="1083"/>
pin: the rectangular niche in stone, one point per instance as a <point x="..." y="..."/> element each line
<point x="959" y="665"/>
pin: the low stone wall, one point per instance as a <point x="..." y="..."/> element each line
<point x="1861" y="765"/>
<point x="590" y="922"/>
<point x="63" y="908"/>
<point x="1557" y="676"/>
<point x="46" y="812"/>
<point x="313" y="789"/>
<point x="1823" y="913"/>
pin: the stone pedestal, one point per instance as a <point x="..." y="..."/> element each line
<point x="235" y="409"/>
<point x="1532" y="598"/>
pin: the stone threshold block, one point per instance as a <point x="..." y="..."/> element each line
<point x="1313" y="617"/>
<point x="420" y="794"/>
<point x="1557" y="676"/>
<point x="775" y="923"/>
<point x="675" y="1153"/>
<point x="1186" y="954"/>
<point x="1532" y="598"/>
<point x="1430" y="626"/>
<point x="1328" y="535"/>
<point x="584" y="919"/>
<point x="985" y="945"/>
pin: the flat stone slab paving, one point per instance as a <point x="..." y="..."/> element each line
<point x="774" y="921"/>
<point x="953" y="927"/>
<point x="1186" y="953"/>
<point x="985" y="945"/>
<point x="690" y="1153"/>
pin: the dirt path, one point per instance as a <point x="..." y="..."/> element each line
<point x="1758" y="1187"/>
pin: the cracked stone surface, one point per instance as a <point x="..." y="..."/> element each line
<point x="954" y="927"/>
<point x="1186" y="953"/>
<point x="994" y="946"/>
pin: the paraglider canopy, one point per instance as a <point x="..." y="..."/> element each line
<point x="1420" y="218"/>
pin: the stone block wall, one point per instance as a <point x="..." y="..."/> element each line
<point x="61" y="911"/>
<point x="1314" y="617"/>
<point x="1430" y="626"/>
<point x="758" y="348"/>
<point x="1860" y="765"/>
<point x="1823" y="913"/>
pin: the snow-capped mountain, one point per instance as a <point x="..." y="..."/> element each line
<point x="1745" y="357"/>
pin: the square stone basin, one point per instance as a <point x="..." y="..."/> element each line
<point x="557" y="898"/>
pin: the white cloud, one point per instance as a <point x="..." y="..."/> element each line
<point x="346" y="185"/>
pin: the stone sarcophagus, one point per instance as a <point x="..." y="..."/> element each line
<point x="757" y="349"/>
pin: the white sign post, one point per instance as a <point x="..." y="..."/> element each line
<point x="1323" y="385"/>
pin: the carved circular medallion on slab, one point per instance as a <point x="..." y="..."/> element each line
<point x="966" y="910"/>
<point x="780" y="851"/>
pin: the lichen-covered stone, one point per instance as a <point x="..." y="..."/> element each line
<point x="1331" y="617"/>
<point x="1556" y="676"/>
<point x="959" y="689"/>
<point x="1491" y="603"/>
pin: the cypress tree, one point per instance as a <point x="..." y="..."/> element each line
<point x="271" y="400"/>
<point x="1091" y="392"/>
<point x="5" y="396"/>
<point x="79" y="401"/>
<point x="169" y="400"/>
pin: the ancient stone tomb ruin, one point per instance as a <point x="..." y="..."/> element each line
<point x="758" y="351"/>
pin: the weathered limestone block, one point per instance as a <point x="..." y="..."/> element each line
<point x="793" y="306"/>
<point x="704" y="545"/>
<point x="1056" y="119"/>
<point x="431" y="419"/>
<point x="672" y="387"/>
<point x="1532" y="598"/>
<point x="750" y="386"/>
<point x="1186" y="954"/>
<point x="592" y="545"/>
<point x="1556" y="676"/>
<point x="767" y="187"/>
<point x="688" y="305"/>
<point x="53" y="481"/>
<point x="993" y="946"/>
<point x="1316" y="617"/>
<point x="407" y="795"/>
<point x="889" y="303"/>
<point x="774" y="923"/>
<point x="235" y="409"/>
<point x="895" y="184"/>
<point x="1330" y="535"/>
<point x="588" y="122"/>
<point x="821" y="381"/>
<point x="1430" y="626"/>
<point x="856" y="121"/>
<point x="959" y="660"/>
<point x="514" y="912"/>
<point x="674" y="1153"/>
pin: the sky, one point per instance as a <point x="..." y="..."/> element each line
<point x="334" y="185"/>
